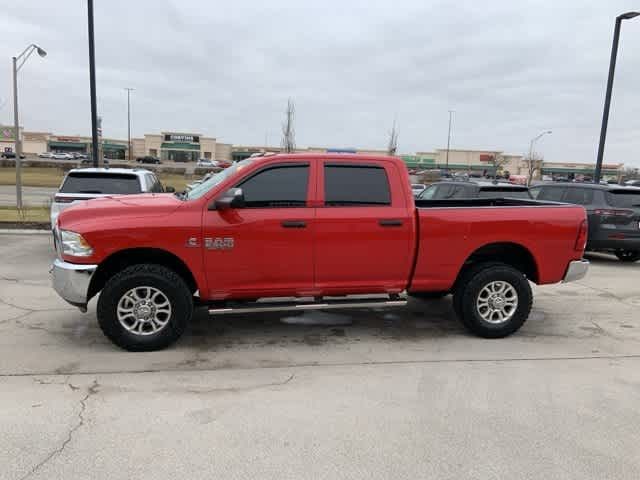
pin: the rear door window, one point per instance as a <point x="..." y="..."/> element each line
<point x="553" y="194"/>
<point x="579" y="196"/>
<point x="101" y="183"/>
<point x="355" y="185"/>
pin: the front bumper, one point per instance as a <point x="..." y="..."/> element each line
<point x="71" y="281"/>
<point x="576" y="270"/>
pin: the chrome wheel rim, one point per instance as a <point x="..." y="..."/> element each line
<point x="497" y="302"/>
<point x="144" y="310"/>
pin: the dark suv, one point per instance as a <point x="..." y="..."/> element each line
<point x="473" y="189"/>
<point x="613" y="212"/>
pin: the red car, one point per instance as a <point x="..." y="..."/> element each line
<point x="321" y="229"/>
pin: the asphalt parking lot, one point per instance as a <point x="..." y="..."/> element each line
<point x="370" y="394"/>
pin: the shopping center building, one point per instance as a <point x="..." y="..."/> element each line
<point x="176" y="146"/>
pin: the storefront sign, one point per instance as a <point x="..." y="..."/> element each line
<point x="67" y="139"/>
<point x="170" y="137"/>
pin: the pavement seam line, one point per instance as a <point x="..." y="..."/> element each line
<point x="326" y="365"/>
<point x="92" y="390"/>
<point x="242" y="389"/>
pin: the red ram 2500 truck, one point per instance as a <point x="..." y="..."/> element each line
<point x="299" y="232"/>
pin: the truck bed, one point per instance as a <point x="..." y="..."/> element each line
<point x="453" y="232"/>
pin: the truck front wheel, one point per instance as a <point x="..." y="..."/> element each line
<point x="495" y="301"/>
<point x="144" y="307"/>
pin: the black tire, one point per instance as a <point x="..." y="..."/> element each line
<point x="428" y="295"/>
<point x="471" y="286"/>
<point x="171" y="285"/>
<point x="628" y="255"/>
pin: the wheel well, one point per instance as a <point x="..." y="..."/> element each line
<point x="512" y="254"/>
<point x="118" y="261"/>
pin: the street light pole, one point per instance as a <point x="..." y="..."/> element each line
<point x="26" y="53"/>
<point x="16" y="136"/>
<point x="92" y="86"/>
<point x="607" y="98"/>
<point x="449" y="139"/>
<point x="533" y="141"/>
<point x="129" y="120"/>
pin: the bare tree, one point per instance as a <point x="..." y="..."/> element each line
<point x="630" y="173"/>
<point x="392" y="147"/>
<point x="497" y="161"/>
<point x="288" y="142"/>
<point x="533" y="163"/>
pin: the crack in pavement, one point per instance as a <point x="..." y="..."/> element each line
<point x="607" y="292"/>
<point x="248" y="388"/>
<point x="92" y="390"/>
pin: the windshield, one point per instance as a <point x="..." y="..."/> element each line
<point x="199" y="190"/>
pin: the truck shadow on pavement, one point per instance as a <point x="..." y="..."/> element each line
<point x="421" y="319"/>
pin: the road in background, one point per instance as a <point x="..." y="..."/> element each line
<point x="31" y="196"/>
<point x="401" y="393"/>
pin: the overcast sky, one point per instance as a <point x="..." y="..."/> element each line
<point x="225" y="69"/>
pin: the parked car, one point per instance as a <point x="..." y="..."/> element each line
<point x="224" y="163"/>
<point x="10" y="155"/>
<point x="45" y="155"/>
<point x="79" y="156"/>
<point x="262" y="228"/>
<point x="62" y="156"/>
<point x="613" y="212"/>
<point x="82" y="184"/>
<point x="474" y="189"/>
<point x="148" y="159"/>
<point x="199" y="181"/>
<point x="207" y="163"/>
<point x="89" y="161"/>
<point x="417" y="188"/>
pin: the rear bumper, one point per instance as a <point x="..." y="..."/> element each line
<point x="576" y="270"/>
<point x="71" y="281"/>
<point x="614" y="244"/>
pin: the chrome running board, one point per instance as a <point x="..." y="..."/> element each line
<point x="262" y="307"/>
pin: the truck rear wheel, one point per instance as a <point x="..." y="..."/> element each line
<point x="494" y="301"/>
<point x="144" y="307"/>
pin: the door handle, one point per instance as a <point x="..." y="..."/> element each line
<point x="294" y="224"/>
<point x="392" y="222"/>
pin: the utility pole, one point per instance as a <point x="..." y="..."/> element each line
<point x="92" y="87"/>
<point x="129" y="121"/>
<point x="449" y="138"/>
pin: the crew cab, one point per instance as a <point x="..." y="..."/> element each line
<point x="308" y="231"/>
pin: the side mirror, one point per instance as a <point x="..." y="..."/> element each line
<point x="169" y="189"/>
<point x="232" y="198"/>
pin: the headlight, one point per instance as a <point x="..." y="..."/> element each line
<point x="74" y="244"/>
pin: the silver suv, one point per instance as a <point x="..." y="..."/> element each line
<point x="86" y="183"/>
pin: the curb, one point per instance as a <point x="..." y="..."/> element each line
<point x="22" y="231"/>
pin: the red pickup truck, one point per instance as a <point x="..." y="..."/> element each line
<point x="306" y="231"/>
